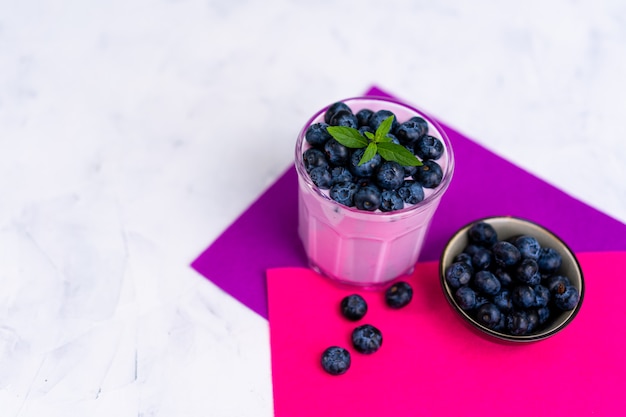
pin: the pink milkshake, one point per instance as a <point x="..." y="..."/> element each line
<point x="366" y="248"/>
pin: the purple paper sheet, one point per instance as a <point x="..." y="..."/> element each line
<point x="265" y="235"/>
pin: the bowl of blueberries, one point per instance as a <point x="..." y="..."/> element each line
<point x="511" y="279"/>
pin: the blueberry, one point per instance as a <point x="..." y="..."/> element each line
<point x="363" y="117"/>
<point x="533" y="320"/>
<point x="528" y="272"/>
<point x="336" y="360"/>
<point x="344" y="118"/>
<point x="390" y="200"/>
<point x="343" y="193"/>
<point x="544" y="314"/>
<point x="471" y="249"/>
<point x="336" y="153"/>
<point x="340" y="174"/>
<point x="390" y="175"/>
<point x="503" y="275"/>
<point x="523" y="296"/>
<point x="542" y="295"/>
<point x="367" y="198"/>
<point x="486" y="283"/>
<point x="314" y="158"/>
<point x="335" y="108"/>
<point x="463" y="257"/>
<point x="482" y="234"/>
<point x="429" y="174"/>
<point x="398" y="295"/>
<point x="353" y="307"/>
<point x="428" y="147"/>
<point x="482" y="258"/>
<point x="367" y="339"/>
<point x="321" y="177"/>
<point x="394" y="139"/>
<point x="364" y="129"/>
<point x="465" y="297"/>
<point x="411" y="130"/>
<point x="549" y="260"/>
<point x="568" y="299"/>
<point x="488" y="315"/>
<point x="366" y="169"/>
<point x="528" y="246"/>
<point x="517" y="323"/>
<point x="481" y="300"/>
<point x="458" y="274"/>
<point x="411" y="192"/>
<point x="317" y="135"/>
<point x="505" y="254"/>
<point x="503" y="301"/>
<point x="557" y="284"/>
<point x="377" y="118"/>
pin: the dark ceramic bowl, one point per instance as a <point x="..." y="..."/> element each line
<point x="507" y="227"/>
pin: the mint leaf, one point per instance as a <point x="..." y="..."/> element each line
<point x="383" y="128"/>
<point x="347" y="136"/>
<point x="369" y="153"/>
<point x="397" y="153"/>
<point x="369" y="135"/>
<point x="384" y="139"/>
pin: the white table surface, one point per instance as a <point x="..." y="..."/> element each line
<point x="133" y="133"/>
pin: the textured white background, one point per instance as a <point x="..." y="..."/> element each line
<point x="132" y="133"/>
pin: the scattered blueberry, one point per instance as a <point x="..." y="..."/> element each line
<point x="367" y="339"/>
<point x="336" y="360"/>
<point x="398" y="295"/>
<point x="353" y="307"/>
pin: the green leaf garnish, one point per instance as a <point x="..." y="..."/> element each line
<point x="347" y="136"/>
<point x="369" y="153"/>
<point x="374" y="143"/>
<point x="398" y="153"/>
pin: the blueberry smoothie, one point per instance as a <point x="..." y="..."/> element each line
<point x="371" y="173"/>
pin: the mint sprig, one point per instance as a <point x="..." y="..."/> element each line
<point x="378" y="142"/>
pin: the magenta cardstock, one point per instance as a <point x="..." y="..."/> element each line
<point x="484" y="184"/>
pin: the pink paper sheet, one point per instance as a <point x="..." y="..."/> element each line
<point x="432" y="363"/>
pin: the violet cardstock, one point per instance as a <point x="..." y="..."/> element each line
<point x="265" y="235"/>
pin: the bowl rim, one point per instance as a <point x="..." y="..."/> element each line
<point x="448" y="293"/>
